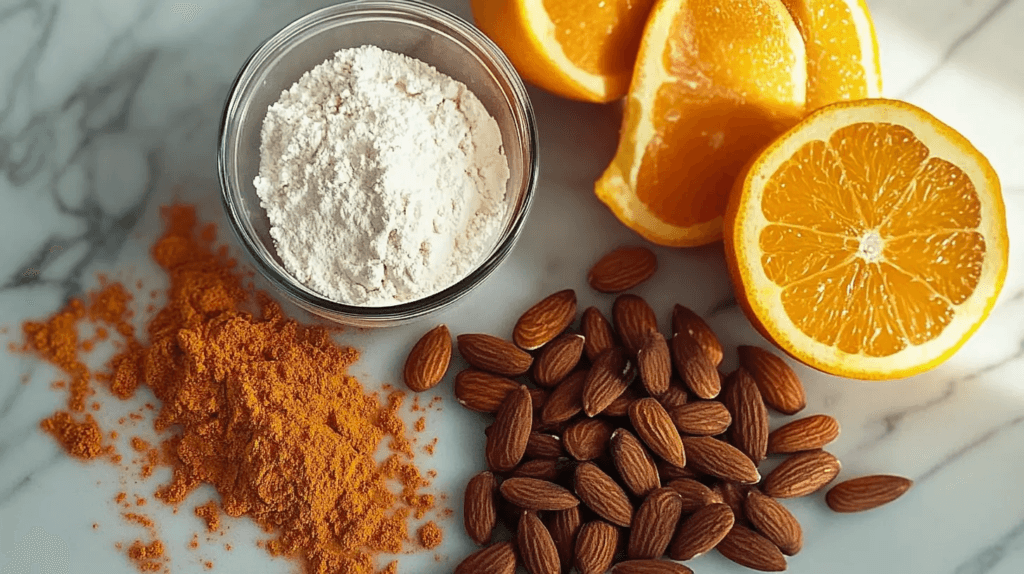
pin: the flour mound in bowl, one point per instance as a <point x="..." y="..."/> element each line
<point x="383" y="179"/>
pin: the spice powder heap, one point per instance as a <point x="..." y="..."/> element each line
<point x="261" y="408"/>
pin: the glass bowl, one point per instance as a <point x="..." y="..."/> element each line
<point x="409" y="27"/>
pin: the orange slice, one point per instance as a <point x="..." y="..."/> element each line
<point x="869" y="241"/>
<point x="579" y="50"/>
<point x="842" y="50"/>
<point x="715" y="81"/>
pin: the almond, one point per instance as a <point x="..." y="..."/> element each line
<point x="608" y="378"/>
<point x="734" y="496"/>
<point x="650" y="567"/>
<point x="779" y="385"/>
<point x="536" y="547"/>
<point x="866" y="492"/>
<point x="774" y="522"/>
<point x="564" y="526"/>
<point x="543" y="445"/>
<point x="542" y="468"/>
<point x="428" y="360"/>
<point x="720" y="459"/>
<point x="587" y="439"/>
<point x="694" y="366"/>
<point x="634" y="320"/>
<point x="675" y="396"/>
<point x="480" y="510"/>
<point x="493" y="354"/>
<point x="701" y="418"/>
<point x="693" y="494"/>
<point x="603" y="495"/>
<point x="699" y="533"/>
<point x="482" y="392"/>
<point x="598" y="333"/>
<point x="495" y="559"/>
<point x="510" y="433"/>
<point x="654" y="426"/>
<point x="595" y="547"/>
<point x="634" y="463"/>
<point x="622" y="269"/>
<point x="654" y="523"/>
<point x="748" y="548"/>
<point x="810" y="433"/>
<point x="558" y="359"/>
<point x="545" y="320"/>
<point x="565" y="400"/>
<point x="670" y="472"/>
<point x="801" y="474"/>
<point x="654" y="362"/>
<point x="536" y="494"/>
<point x="749" y="431"/>
<point x="620" y="406"/>
<point x="686" y="321"/>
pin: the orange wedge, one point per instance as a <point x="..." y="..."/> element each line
<point x="715" y="81"/>
<point x="579" y="50"/>
<point x="842" y="50"/>
<point x="869" y="241"/>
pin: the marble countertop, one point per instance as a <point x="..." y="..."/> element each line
<point x="109" y="108"/>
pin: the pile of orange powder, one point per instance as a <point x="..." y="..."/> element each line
<point x="254" y="403"/>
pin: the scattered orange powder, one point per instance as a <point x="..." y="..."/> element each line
<point x="147" y="557"/>
<point x="210" y="515"/>
<point x="80" y="439"/>
<point x="139" y="445"/>
<point x="194" y="543"/>
<point x="430" y="535"/>
<point x="429" y="449"/>
<point x="120" y="497"/>
<point x="420" y="425"/>
<point x="139" y="519"/>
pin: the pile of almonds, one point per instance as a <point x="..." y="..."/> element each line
<point x="628" y="447"/>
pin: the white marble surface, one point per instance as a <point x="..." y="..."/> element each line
<point x="109" y="108"/>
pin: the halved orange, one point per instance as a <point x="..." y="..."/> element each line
<point x="715" y="81"/>
<point x="579" y="50"/>
<point x="869" y="241"/>
<point x="842" y="50"/>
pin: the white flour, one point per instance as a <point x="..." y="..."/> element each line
<point x="383" y="179"/>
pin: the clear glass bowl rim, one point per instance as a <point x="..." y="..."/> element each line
<point x="412" y="11"/>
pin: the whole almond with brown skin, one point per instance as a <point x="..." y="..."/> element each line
<point x="866" y="492"/>
<point x="595" y="547"/>
<point x="497" y="558"/>
<point x="602" y="494"/>
<point x="686" y="321"/>
<point x="749" y="431"/>
<point x="634" y="320"/>
<point x="701" y="531"/>
<point x="650" y="567"/>
<point x="620" y="406"/>
<point x="564" y="526"/>
<point x="634" y="463"/>
<point x="482" y="392"/>
<point x="654" y="523"/>
<point x="545" y="320"/>
<point x="543" y="445"/>
<point x="428" y="360"/>
<point x="809" y="433"/>
<point x="557" y="359"/>
<point x="774" y="522"/>
<point x="748" y="548"/>
<point x="654" y="426"/>
<point x="536" y="494"/>
<point x="622" y="269"/>
<point x="536" y="548"/>
<point x="598" y="333"/>
<point x="654" y="362"/>
<point x="587" y="439"/>
<point x="694" y="366"/>
<point x="480" y="509"/>
<point x="801" y="474"/>
<point x="675" y="396"/>
<point x="510" y="433"/>
<point x="693" y="495"/>
<point x="720" y="459"/>
<point x="494" y="354"/>
<point x="779" y="385"/>
<point x="542" y="468"/>
<point x="608" y="378"/>
<point x="701" y="418"/>
<point x="565" y="400"/>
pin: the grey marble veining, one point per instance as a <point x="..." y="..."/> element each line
<point x="110" y="108"/>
